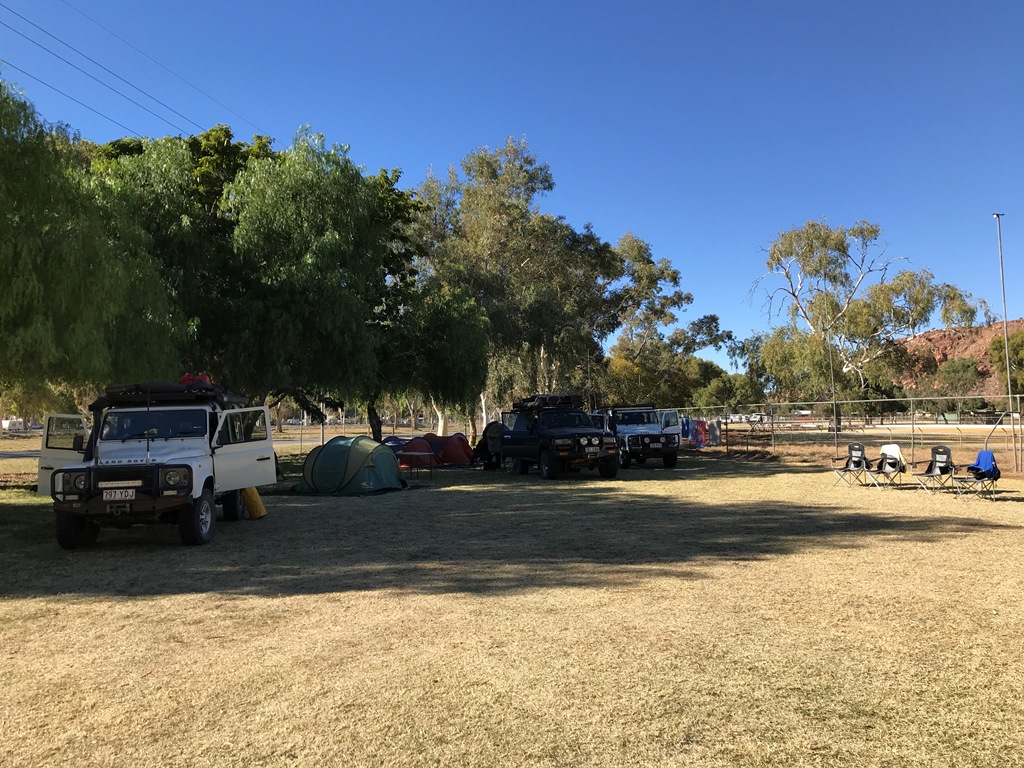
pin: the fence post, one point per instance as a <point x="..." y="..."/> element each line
<point x="913" y="424"/>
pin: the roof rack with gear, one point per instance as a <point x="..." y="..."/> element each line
<point x="167" y="393"/>
<point x="536" y="402"/>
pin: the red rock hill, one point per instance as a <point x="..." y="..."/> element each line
<point x="952" y="343"/>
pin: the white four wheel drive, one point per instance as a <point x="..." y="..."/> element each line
<point x="641" y="433"/>
<point x="157" y="453"/>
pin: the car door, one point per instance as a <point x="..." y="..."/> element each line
<point x="520" y="441"/>
<point x="243" y="454"/>
<point x="670" y="424"/>
<point x="59" y="446"/>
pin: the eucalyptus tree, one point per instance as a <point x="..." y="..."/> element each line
<point x="837" y="284"/>
<point x="552" y="293"/>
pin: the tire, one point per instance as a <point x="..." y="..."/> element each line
<point x="195" y="523"/>
<point x="517" y="466"/>
<point x="608" y="467"/>
<point x="547" y="465"/>
<point x="74" y="531"/>
<point x="233" y="506"/>
<point x="670" y="459"/>
<point x="90" y="532"/>
<point x="624" y="458"/>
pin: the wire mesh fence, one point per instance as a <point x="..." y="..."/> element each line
<point x="822" y="429"/>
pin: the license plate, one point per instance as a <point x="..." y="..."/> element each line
<point x="119" y="494"/>
<point x="592" y="449"/>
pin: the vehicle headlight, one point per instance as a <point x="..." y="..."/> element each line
<point x="562" y="441"/>
<point x="647" y="440"/>
<point x="78" y="482"/>
<point x="175" y="477"/>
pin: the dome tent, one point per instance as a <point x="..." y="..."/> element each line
<point x="413" y="453"/>
<point x="350" y="466"/>
<point x="452" y="450"/>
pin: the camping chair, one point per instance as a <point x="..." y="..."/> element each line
<point x="889" y="469"/>
<point x="981" y="476"/>
<point x="854" y="465"/>
<point x="939" y="472"/>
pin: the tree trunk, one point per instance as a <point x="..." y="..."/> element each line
<point x="413" y="416"/>
<point x="442" y="420"/>
<point x="483" y="408"/>
<point x="375" y="424"/>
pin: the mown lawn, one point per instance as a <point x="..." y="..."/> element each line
<point x="724" y="613"/>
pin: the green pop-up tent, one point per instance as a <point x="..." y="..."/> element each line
<point x="350" y="466"/>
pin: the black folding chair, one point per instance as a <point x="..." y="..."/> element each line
<point x="981" y="476"/>
<point x="853" y="467"/>
<point x="939" y="472"/>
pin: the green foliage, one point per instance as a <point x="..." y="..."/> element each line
<point x="835" y="284"/>
<point x="997" y="359"/>
<point x="450" y="341"/>
<point x="291" y="273"/>
<point x="72" y="284"/>
<point x="552" y="293"/>
<point x="309" y="259"/>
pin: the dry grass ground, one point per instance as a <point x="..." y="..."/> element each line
<point x="723" y="613"/>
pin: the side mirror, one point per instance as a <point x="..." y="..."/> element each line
<point x="78" y="443"/>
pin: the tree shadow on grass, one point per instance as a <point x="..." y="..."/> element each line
<point x="480" y="539"/>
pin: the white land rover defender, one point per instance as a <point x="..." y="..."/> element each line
<point x="157" y="453"/>
<point x="640" y="434"/>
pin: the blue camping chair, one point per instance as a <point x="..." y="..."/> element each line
<point x="981" y="476"/>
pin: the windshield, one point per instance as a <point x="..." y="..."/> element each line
<point x="636" y="417"/>
<point x="163" y="424"/>
<point x="550" y="419"/>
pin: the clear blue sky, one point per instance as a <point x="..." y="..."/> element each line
<point x="703" y="127"/>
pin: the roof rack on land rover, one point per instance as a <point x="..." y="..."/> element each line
<point x="166" y="393"/>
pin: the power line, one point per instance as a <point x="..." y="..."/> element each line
<point x="108" y="71"/>
<point x="80" y="103"/>
<point x="164" y="67"/>
<point x="87" y="74"/>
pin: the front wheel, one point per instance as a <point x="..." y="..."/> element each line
<point x="195" y="523"/>
<point x="547" y="465"/>
<point x="623" y="457"/>
<point x="74" y="531"/>
<point x="608" y="467"/>
<point x="670" y="459"/>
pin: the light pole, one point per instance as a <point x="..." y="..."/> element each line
<point x="1006" y="341"/>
